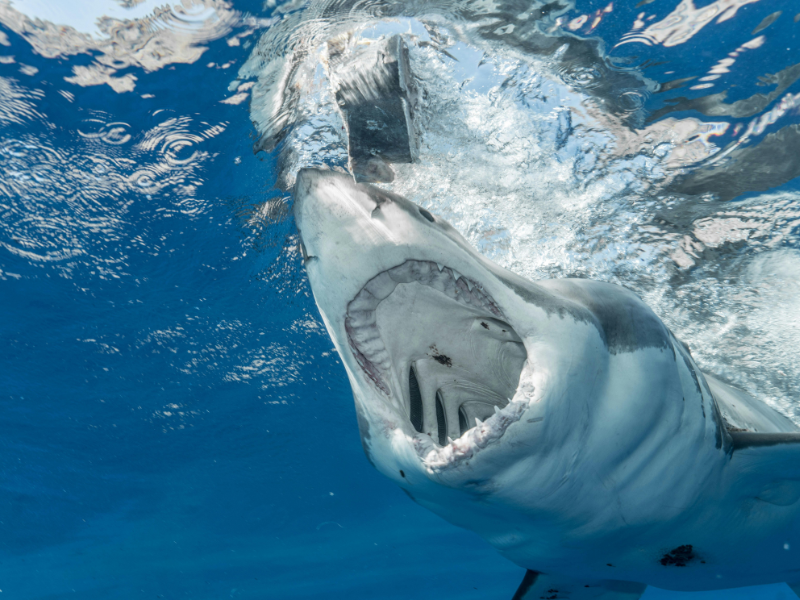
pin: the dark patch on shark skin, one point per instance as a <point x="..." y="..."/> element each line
<point x="624" y="322"/>
<point x="363" y="430"/>
<point x="679" y="557"/>
<point x="443" y="360"/>
<point x="409" y="494"/>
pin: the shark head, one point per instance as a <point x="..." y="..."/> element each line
<point x="474" y="387"/>
<point x="443" y="348"/>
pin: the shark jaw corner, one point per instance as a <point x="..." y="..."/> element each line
<point x="560" y="420"/>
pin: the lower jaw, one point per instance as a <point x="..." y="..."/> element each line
<point x="436" y="458"/>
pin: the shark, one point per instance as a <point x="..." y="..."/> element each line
<point x="560" y="420"/>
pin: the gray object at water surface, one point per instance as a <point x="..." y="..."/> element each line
<point x="373" y="88"/>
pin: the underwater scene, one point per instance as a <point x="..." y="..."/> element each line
<point x="176" y="421"/>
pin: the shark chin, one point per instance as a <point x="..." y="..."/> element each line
<point x="560" y="420"/>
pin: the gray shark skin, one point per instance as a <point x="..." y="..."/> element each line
<point x="559" y="420"/>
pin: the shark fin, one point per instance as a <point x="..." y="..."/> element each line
<point x="747" y="439"/>
<point x="766" y="466"/>
<point x="538" y="586"/>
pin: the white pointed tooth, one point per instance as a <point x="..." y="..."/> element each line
<point x="496" y="410"/>
<point x="470" y="285"/>
<point x="449" y="440"/>
<point x="441" y="266"/>
<point x="456" y="275"/>
<point x="478" y="422"/>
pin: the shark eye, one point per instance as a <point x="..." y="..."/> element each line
<point x="426" y="214"/>
<point x="440" y="422"/>
<point x="415" y="401"/>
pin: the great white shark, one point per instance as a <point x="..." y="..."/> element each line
<point x="560" y="420"/>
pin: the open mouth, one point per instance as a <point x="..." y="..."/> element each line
<point x="437" y="339"/>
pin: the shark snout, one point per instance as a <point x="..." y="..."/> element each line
<point x="332" y="196"/>
<point x="337" y="219"/>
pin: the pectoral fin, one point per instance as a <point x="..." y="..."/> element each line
<point x="766" y="466"/>
<point x="746" y="439"/>
<point x="538" y="586"/>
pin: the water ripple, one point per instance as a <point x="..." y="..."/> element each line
<point x="58" y="202"/>
<point x="173" y="33"/>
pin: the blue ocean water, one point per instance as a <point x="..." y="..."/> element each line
<point x="174" y="420"/>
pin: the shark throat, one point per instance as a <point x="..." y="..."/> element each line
<point x="438" y="343"/>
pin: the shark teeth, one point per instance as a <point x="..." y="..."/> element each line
<point x="437" y="458"/>
<point x="363" y="335"/>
